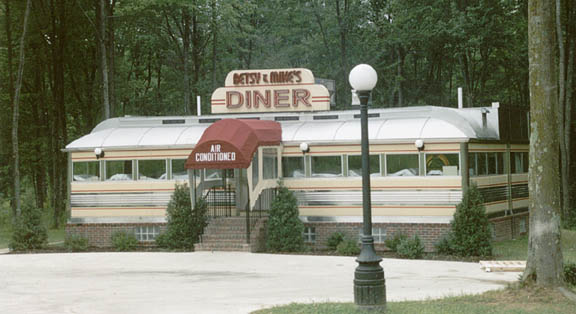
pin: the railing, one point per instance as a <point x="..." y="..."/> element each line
<point x="264" y="201"/>
<point x="221" y="200"/>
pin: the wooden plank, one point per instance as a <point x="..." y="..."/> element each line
<point x="503" y="266"/>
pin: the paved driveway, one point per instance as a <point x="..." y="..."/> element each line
<point x="205" y="282"/>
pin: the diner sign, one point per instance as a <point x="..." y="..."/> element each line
<point x="279" y="90"/>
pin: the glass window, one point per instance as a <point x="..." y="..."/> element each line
<point x="118" y="170"/>
<point x="86" y="171"/>
<point x="147" y="233"/>
<point x="519" y="162"/>
<point x="293" y="167"/>
<point x="442" y="164"/>
<point x="355" y="165"/>
<point x="179" y="172"/>
<point x="326" y="166"/>
<point x="255" y="170"/>
<point x="213" y="174"/>
<point x="402" y="165"/>
<point x="270" y="163"/>
<point x="309" y="234"/>
<point x="152" y="170"/>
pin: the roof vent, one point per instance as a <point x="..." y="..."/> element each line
<point x="287" y="118"/>
<point x="208" y="120"/>
<point x="330" y="117"/>
<point x="174" y="121"/>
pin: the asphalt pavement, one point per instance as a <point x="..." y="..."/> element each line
<point x="219" y="282"/>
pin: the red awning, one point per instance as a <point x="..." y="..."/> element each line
<point x="231" y="143"/>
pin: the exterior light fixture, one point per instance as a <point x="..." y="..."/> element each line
<point x="304" y="147"/>
<point x="419" y="144"/>
<point x="98" y="152"/>
<point x="369" y="282"/>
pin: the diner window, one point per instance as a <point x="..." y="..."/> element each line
<point x="519" y="162"/>
<point x="255" y="170"/>
<point x="179" y="171"/>
<point x="146" y="233"/>
<point x="355" y="165"/>
<point x="152" y="170"/>
<point x="442" y="164"/>
<point x="270" y="163"/>
<point x="309" y="234"/>
<point x="86" y="171"/>
<point x="293" y="167"/>
<point x="483" y="163"/>
<point x="326" y="166"/>
<point x="212" y="174"/>
<point x="118" y="170"/>
<point x="400" y="165"/>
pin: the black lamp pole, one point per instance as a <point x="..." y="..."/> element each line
<point x="369" y="282"/>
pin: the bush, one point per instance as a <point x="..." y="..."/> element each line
<point x="29" y="232"/>
<point x="570" y="274"/>
<point x="76" y="243"/>
<point x="348" y="247"/>
<point x="411" y="248"/>
<point x="185" y="226"/>
<point x="444" y="245"/>
<point x="123" y="241"/>
<point x="470" y="230"/>
<point x="284" y="227"/>
<point x="335" y="239"/>
<point x="393" y="243"/>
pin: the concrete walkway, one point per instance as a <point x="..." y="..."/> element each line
<point x="205" y="282"/>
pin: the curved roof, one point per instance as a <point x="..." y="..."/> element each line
<point x="231" y="143"/>
<point x="385" y="125"/>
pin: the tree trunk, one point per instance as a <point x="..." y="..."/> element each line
<point x="545" y="264"/>
<point x="185" y="52"/>
<point x="15" y="113"/>
<point x="101" y="16"/>
<point x="214" y="27"/>
<point x="10" y="55"/>
<point x="111" y="57"/>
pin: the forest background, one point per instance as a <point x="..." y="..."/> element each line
<point x="88" y="60"/>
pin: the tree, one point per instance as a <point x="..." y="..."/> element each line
<point x="15" y="112"/>
<point x="544" y="265"/>
<point x="284" y="227"/>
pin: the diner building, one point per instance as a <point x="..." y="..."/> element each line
<point x="269" y="126"/>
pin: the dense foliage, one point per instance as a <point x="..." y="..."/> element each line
<point x="123" y="241"/>
<point x="160" y="54"/>
<point x="348" y="247"/>
<point x="411" y="248"/>
<point x="76" y="243"/>
<point x="334" y="239"/>
<point x="470" y="229"/>
<point x="185" y="225"/>
<point x="284" y="227"/>
<point x="29" y="231"/>
<point x="393" y="242"/>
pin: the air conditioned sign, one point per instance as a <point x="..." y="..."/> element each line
<point x="281" y="90"/>
<point x="215" y="155"/>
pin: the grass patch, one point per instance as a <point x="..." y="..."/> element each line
<point x="517" y="249"/>
<point x="55" y="236"/>
<point x="510" y="300"/>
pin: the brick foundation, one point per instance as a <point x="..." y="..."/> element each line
<point x="509" y="227"/>
<point x="99" y="235"/>
<point x="428" y="233"/>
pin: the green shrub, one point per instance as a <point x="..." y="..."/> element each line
<point x="123" y="241"/>
<point x="29" y="232"/>
<point x="393" y="243"/>
<point x="76" y="243"/>
<point x="334" y="239"/>
<point x="570" y="274"/>
<point x="470" y="230"/>
<point x="444" y="245"/>
<point x="348" y="247"/>
<point x="185" y="226"/>
<point x="284" y="227"/>
<point x="411" y="248"/>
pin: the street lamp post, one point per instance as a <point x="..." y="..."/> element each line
<point x="369" y="282"/>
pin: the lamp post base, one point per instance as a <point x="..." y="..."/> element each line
<point x="369" y="282"/>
